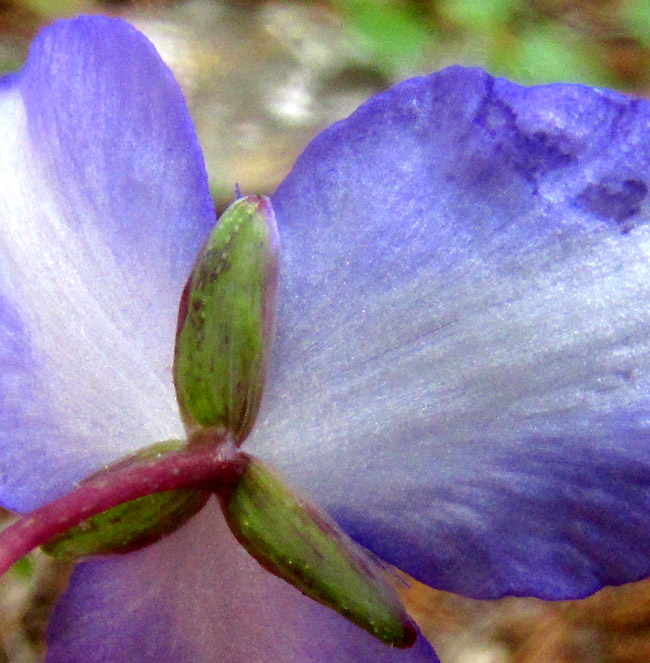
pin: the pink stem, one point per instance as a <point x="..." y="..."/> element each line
<point x="206" y="467"/>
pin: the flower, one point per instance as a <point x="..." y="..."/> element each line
<point x="461" y="369"/>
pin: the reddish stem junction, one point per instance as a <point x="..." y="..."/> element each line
<point x="205" y="467"/>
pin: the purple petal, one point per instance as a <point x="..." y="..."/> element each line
<point x="197" y="597"/>
<point x="462" y="366"/>
<point x="104" y="205"/>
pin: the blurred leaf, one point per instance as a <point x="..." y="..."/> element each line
<point x="10" y="63"/>
<point x="635" y="15"/>
<point x="547" y="54"/>
<point x="393" y="32"/>
<point x="477" y="16"/>
<point x="23" y="568"/>
<point x="53" y="8"/>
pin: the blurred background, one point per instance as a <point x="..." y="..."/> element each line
<point x="261" y="79"/>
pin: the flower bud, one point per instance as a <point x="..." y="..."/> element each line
<point x="225" y="321"/>
<point x="299" y="543"/>
<point x="134" y="524"/>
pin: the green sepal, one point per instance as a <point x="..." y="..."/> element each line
<point x="128" y="527"/>
<point x="132" y="525"/>
<point x="299" y="543"/>
<point x="225" y="321"/>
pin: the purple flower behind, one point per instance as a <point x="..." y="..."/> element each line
<point x="460" y="375"/>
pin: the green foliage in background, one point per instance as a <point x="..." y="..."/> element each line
<point x="532" y="41"/>
<point x="393" y="34"/>
<point x="636" y="18"/>
<point x="478" y="16"/>
<point x="53" y="8"/>
<point x="24" y="568"/>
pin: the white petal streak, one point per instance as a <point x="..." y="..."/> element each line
<point x="92" y="353"/>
